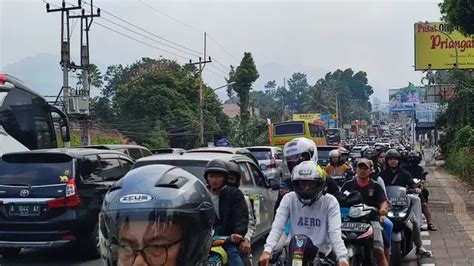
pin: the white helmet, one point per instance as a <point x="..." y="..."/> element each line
<point x="308" y="171"/>
<point x="334" y="153"/>
<point x="343" y="150"/>
<point x="298" y="150"/>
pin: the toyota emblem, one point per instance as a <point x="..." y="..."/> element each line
<point x="24" y="193"/>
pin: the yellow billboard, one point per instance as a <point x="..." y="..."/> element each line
<point x="435" y="47"/>
<point x="306" y="117"/>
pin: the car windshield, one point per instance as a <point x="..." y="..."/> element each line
<point x="35" y="170"/>
<point x="323" y="154"/>
<point x="262" y="154"/>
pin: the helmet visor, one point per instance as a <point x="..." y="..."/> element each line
<point x="152" y="236"/>
<point x="296" y="159"/>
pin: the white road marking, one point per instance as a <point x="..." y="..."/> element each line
<point x="426" y="242"/>
<point x="425" y="233"/>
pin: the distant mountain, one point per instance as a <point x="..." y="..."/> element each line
<point x="41" y="73"/>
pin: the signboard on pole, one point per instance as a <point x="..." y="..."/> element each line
<point x="405" y="99"/>
<point x="436" y="51"/>
<point x="426" y="112"/>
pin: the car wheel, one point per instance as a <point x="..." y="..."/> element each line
<point x="10" y="252"/>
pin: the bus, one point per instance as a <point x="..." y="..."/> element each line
<point x="286" y="131"/>
<point x="26" y="119"/>
<point x="335" y="136"/>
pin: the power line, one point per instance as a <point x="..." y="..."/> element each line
<point x="173" y="18"/>
<point x="189" y="26"/>
<point x="222" y="47"/>
<point x="219" y="63"/>
<point x="192" y="54"/>
<point x="218" y="69"/>
<point x="125" y="35"/>
<point x="215" y="74"/>
<point x="144" y="30"/>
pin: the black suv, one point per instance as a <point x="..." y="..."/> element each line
<point x="50" y="198"/>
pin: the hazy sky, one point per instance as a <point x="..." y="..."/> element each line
<point x="374" y="36"/>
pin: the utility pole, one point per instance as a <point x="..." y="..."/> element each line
<point x="201" y="64"/>
<point x="84" y="94"/>
<point x="65" y="50"/>
<point x="282" y="100"/>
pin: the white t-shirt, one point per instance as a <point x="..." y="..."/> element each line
<point x="215" y="201"/>
<point x="321" y="222"/>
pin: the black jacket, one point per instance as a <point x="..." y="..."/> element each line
<point x="233" y="213"/>
<point x="404" y="178"/>
<point x="415" y="170"/>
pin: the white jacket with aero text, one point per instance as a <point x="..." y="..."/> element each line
<point x="321" y="222"/>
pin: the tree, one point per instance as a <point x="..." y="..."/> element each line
<point x="243" y="76"/>
<point x="318" y="100"/>
<point x="298" y="87"/>
<point x="95" y="77"/>
<point x="459" y="13"/>
<point x="155" y="103"/>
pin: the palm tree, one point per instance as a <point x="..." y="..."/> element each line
<point x="318" y="100"/>
<point x="95" y="77"/>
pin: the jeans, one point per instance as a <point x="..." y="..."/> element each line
<point x="233" y="253"/>
<point x="387" y="228"/>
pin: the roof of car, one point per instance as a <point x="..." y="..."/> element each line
<point x="198" y="156"/>
<point x="263" y="147"/>
<point x="114" y="146"/>
<point x="328" y="147"/>
<point x="73" y="152"/>
<point x="233" y="150"/>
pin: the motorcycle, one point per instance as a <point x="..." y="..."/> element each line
<point x="301" y="251"/>
<point x="399" y="214"/>
<point x="357" y="230"/>
<point x="217" y="255"/>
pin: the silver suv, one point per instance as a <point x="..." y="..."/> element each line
<point x="271" y="161"/>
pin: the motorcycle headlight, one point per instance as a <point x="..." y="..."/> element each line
<point x="402" y="214"/>
<point x="390" y="214"/>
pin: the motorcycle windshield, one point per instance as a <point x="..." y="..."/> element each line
<point x="397" y="195"/>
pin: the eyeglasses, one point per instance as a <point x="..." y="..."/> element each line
<point x="152" y="254"/>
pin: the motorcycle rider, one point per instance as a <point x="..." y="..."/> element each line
<point x="143" y="223"/>
<point x="372" y="195"/>
<point x="416" y="171"/>
<point x="234" y="181"/>
<point x="395" y="175"/>
<point x="231" y="210"/>
<point x="311" y="212"/>
<point x="371" y="155"/>
<point x="344" y="155"/>
<point x="336" y="166"/>
<point x="299" y="150"/>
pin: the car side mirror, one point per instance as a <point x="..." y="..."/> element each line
<point x="274" y="184"/>
<point x="263" y="167"/>
<point x="65" y="136"/>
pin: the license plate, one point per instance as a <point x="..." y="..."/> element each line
<point x="297" y="262"/>
<point x="24" y="210"/>
<point x="357" y="227"/>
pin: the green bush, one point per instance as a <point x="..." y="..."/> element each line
<point x="460" y="162"/>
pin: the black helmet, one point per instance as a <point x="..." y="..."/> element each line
<point x="152" y="201"/>
<point x="371" y="154"/>
<point x="414" y="157"/>
<point x="234" y="169"/>
<point x="392" y="153"/>
<point x="216" y="165"/>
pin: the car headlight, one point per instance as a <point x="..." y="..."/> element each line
<point x="402" y="214"/>
<point x="390" y="214"/>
